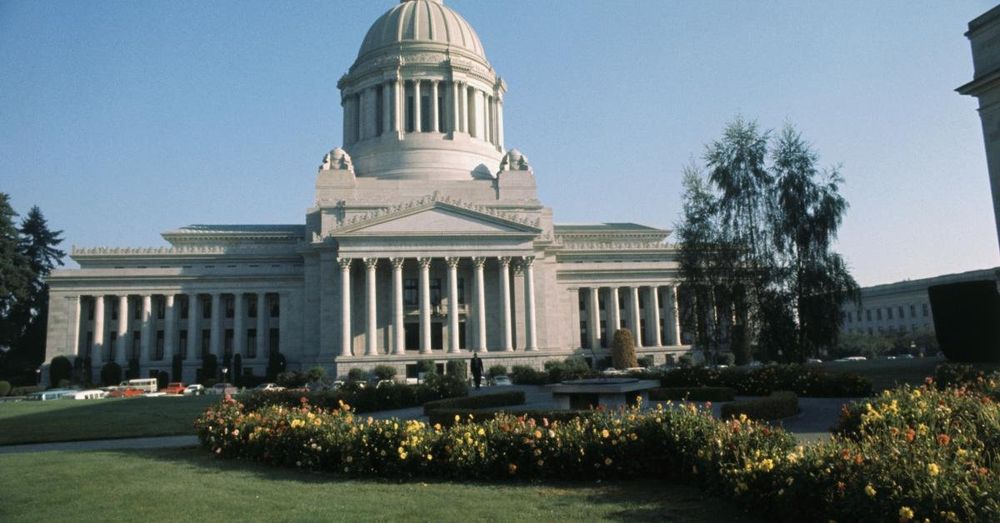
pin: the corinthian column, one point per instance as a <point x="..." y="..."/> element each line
<point x="170" y="333"/>
<point x="98" y="346"/>
<point x="478" y="263"/>
<point x="215" y="339"/>
<point x="371" y="342"/>
<point x="416" y="107"/>
<point x="616" y="317"/>
<point x="531" y="329"/>
<point x="595" y="317"/>
<point x="674" y="319"/>
<point x="239" y="326"/>
<point x="504" y="271"/>
<point x="147" y="329"/>
<point x="263" y="332"/>
<point x="452" y="304"/>
<point x="398" y="326"/>
<point x="435" y="121"/>
<point x="636" y="316"/>
<point x="425" y="305"/>
<point x="654" y="301"/>
<point x="346" y="348"/>
<point x="194" y="334"/>
<point x="121" y="356"/>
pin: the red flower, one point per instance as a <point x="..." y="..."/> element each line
<point x="943" y="439"/>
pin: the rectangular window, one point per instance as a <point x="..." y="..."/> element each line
<point x="136" y="307"/>
<point x="182" y="344"/>
<point x="114" y="309"/>
<point x="409" y="114"/>
<point x="621" y="300"/>
<point x="425" y="111"/>
<point x="251" y="348"/>
<point x="604" y="333"/>
<point x="161" y="307"/>
<point x="206" y="342"/>
<point x="900" y="311"/>
<point x="273" y="340"/>
<point x="274" y="304"/>
<point x="924" y="309"/>
<point x="584" y="339"/>
<point x="868" y="314"/>
<point x="435" y="291"/>
<point x="159" y="346"/>
<point x="90" y="310"/>
<point x="581" y="301"/>
<point x="206" y="307"/>
<point x="888" y="311"/>
<point x="227" y="342"/>
<point x="185" y="307"/>
<point x="379" y="110"/>
<point x="136" y="345"/>
<point x="230" y="305"/>
<point x="913" y="311"/>
<point x="878" y="313"/>
<point x="113" y="344"/>
<point x="600" y="302"/>
<point x="410" y="295"/>
<point x="642" y="301"/>
<point x="461" y="291"/>
<point x="252" y="306"/>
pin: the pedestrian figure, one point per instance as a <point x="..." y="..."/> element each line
<point x="477" y="370"/>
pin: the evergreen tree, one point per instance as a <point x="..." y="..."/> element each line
<point x="15" y="275"/>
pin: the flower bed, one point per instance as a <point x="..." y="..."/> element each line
<point x="692" y="394"/>
<point x="370" y="399"/>
<point x="449" y="417"/>
<point x="913" y="453"/>
<point x="780" y="404"/>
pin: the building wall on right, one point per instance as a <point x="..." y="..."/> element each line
<point x="984" y="36"/>
<point x="901" y="307"/>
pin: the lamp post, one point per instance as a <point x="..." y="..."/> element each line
<point x="38" y="376"/>
<point x="225" y="371"/>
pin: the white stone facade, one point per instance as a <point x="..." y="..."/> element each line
<point x="426" y="240"/>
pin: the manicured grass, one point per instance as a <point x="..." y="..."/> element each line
<point x="190" y="485"/>
<point x="885" y="374"/>
<point x="70" y="420"/>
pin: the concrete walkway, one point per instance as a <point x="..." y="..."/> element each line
<point x="812" y="424"/>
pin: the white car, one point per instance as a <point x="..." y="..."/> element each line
<point x="501" y="381"/>
<point x="194" y="389"/>
<point x="90" y="394"/>
<point x="269" y="387"/>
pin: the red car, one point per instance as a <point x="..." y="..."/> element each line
<point x="174" y="388"/>
<point x="127" y="392"/>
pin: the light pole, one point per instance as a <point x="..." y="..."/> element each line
<point x="225" y="371"/>
<point x="38" y="376"/>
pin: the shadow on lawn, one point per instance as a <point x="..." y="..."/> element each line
<point x="642" y="500"/>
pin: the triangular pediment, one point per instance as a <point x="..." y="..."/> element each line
<point x="437" y="218"/>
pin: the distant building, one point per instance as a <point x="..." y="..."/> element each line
<point x="901" y="307"/>
<point x="984" y="35"/>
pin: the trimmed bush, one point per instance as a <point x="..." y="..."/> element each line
<point x="623" y="350"/>
<point x="497" y="399"/>
<point x="645" y="361"/>
<point x="384" y="372"/>
<point x="290" y="379"/>
<point x="761" y="381"/>
<point x="356" y="374"/>
<point x="60" y="369"/>
<point x="496" y="370"/>
<point x="4" y="388"/>
<point x="457" y="368"/>
<point x="426" y="367"/>
<point x="111" y="374"/>
<point x="525" y="375"/>
<point x="24" y="391"/>
<point x="451" y="417"/>
<point x="692" y="394"/>
<point x="370" y="399"/>
<point x="778" y="405"/>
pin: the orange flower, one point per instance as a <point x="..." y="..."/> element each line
<point x="512" y="469"/>
<point x="943" y="439"/>
<point x="910" y="434"/>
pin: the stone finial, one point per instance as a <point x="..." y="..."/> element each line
<point x="514" y="160"/>
<point x="337" y="160"/>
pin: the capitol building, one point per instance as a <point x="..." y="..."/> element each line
<point x="426" y="241"/>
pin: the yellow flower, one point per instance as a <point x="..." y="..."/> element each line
<point x="906" y="513"/>
<point x="605" y="434"/>
<point x="933" y="469"/>
<point x="481" y="432"/>
<point x="870" y="490"/>
<point x="767" y="465"/>
<point x="607" y="461"/>
<point x="430" y="457"/>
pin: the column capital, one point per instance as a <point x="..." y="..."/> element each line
<point x="452" y="261"/>
<point x="425" y="263"/>
<point x="371" y="263"/>
<point x="504" y="261"/>
<point x="479" y="261"/>
<point x="527" y="260"/>
<point x="344" y="263"/>
<point x="397" y="263"/>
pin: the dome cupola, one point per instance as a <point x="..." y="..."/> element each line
<point x="421" y="101"/>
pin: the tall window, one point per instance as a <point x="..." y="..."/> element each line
<point x="114" y="309"/>
<point x="230" y="302"/>
<point x="924" y="307"/>
<point x="206" y="307"/>
<point x="159" y="346"/>
<point x="584" y="339"/>
<point x="182" y="344"/>
<point x="888" y="310"/>
<point x="275" y="305"/>
<point x="272" y="345"/>
<point x="410" y="296"/>
<point x="581" y="301"/>
<point x="136" y="344"/>
<point x="461" y="291"/>
<point x="227" y="342"/>
<point x="410" y="117"/>
<point x="161" y="307"/>
<point x="136" y="307"/>
<point x="185" y="307"/>
<point x="379" y="110"/>
<point x="900" y="310"/>
<point x="878" y="313"/>
<point x="206" y="342"/>
<point x="913" y="311"/>
<point x="251" y="348"/>
<point x="435" y="291"/>
<point x="252" y="306"/>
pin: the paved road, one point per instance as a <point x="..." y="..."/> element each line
<point x="812" y="424"/>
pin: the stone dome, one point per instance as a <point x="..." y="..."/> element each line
<point x="421" y="22"/>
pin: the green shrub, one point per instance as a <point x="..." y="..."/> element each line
<point x="426" y="367"/>
<point x="761" y="381"/>
<point x="623" y="350"/>
<point x="525" y="375"/>
<point x="4" y="388"/>
<point x="726" y="358"/>
<point x="685" y="360"/>
<point x="275" y="365"/>
<point x="24" y="391"/>
<point x="692" y="394"/>
<point x="447" y="417"/>
<point x="111" y="374"/>
<point x="573" y="367"/>
<point x="457" y="368"/>
<point x="60" y="369"/>
<point x="290" y="379"/>
<point x="780" y="404"/>
<point x="497" y="399"/>
<point x="315" y="374"/>
<point x="645" y="361"/>
<point x="370" y="399"/>
<point x="356" y="374"/>
<point x="496" y="370"/>
<point x="384" y="372"/>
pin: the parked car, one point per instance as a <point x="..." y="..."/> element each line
<point x="194" y="389"/>
<point x="126" y="392"/>
<point x="501" y="381"/>
<point x="384" y="383"/>
<point x="269" y="387"/>
<point x="90" y="394"/>
<point x="174" y="388"/>
<point x="853" y="358"/>
<point x="814" y="360"/>
<point x="223" y="388"/>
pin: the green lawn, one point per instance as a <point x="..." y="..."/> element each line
<point x="69" y="420"/>
<point x="189" y="485"/>
<point x="886" y="374"/>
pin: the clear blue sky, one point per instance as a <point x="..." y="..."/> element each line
<point x="122" y="119"/>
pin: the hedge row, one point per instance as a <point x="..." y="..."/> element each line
<point x="482" y="401"/>
<point x="761" y="381"/>
<point x="24" y="391"/>
<point x="692" y="394"/>
<point x="913" y="455"/>
<point x="450" y="417"/>
<point x="780" y="404"/>
<point x="4" y="388"/>
<point x="369" y="399"/>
